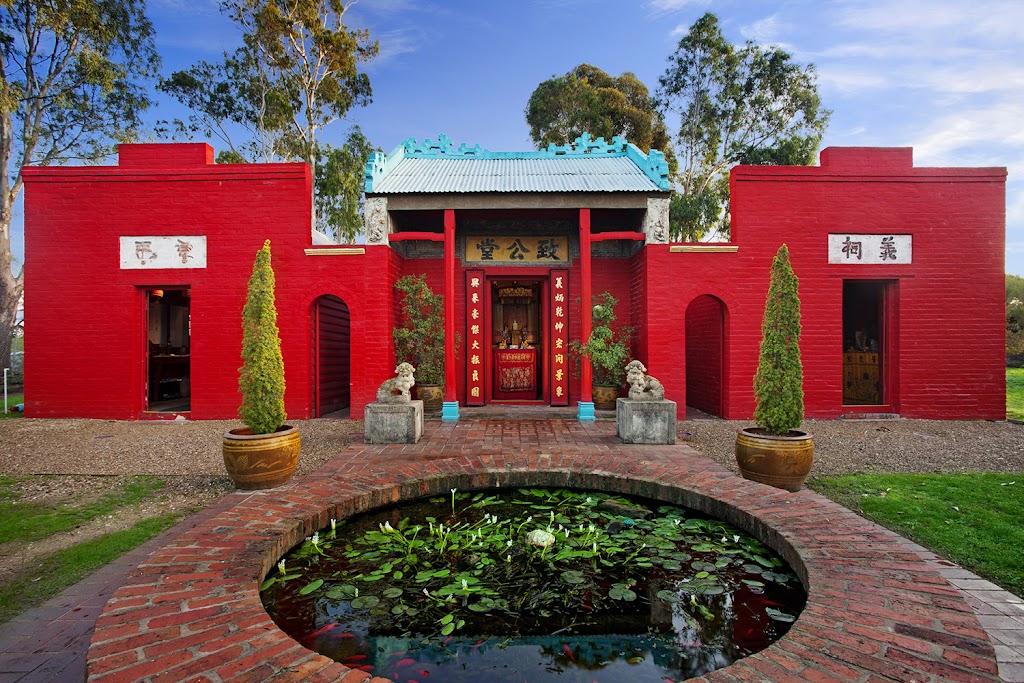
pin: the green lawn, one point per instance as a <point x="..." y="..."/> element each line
<point x="1015" y="393"/>
<point x="973" y="519"/>
<point x="22" y="522"/>
<point x="12" y="400"/>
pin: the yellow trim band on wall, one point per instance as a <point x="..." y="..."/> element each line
<point x="684" y="248"/>
<point x="335" y="251"/>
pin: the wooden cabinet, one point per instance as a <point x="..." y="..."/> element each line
<point x="861" y="379"/>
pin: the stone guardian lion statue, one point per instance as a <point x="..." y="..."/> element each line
<point x="643" y="387"/>
<point x="400" y="384"/>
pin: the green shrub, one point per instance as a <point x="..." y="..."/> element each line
<point x="419" y="339"/>
<point x="607" y="349"/>
<point x="778" y="384"/>
<point x="261" y="377"/>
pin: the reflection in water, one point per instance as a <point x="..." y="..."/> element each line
<point x="663" y="597"/>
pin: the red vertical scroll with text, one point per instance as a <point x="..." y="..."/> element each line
<point x="559" y="337"/>
<point x="475" y="338"/>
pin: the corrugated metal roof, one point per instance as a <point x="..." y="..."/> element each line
<point x="559" y="174"/>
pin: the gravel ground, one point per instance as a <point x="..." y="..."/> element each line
<point x="193" y="449"/>
<point x="853" y="446"/>
<point x="109" y="447"/>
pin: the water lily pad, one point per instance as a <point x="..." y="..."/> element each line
<point x="365" y="602"/>
<point x="393" y="592"/>
<point x="311" y="586"/>
<point x="667" y="596"/>
<point x="622" y="594"/>
<point x="342" y="592"/>
<point x="573" y="576"/>
<point x="448" y="629"/>
<point x="779" y="615"/>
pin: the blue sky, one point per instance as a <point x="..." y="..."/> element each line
<point x="943" y="76"/>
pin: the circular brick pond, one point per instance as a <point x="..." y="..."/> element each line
<point x="875" y="611"/>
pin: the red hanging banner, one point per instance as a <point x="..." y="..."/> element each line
<point x="559" y="337"/>
<point x="474" y="337"/>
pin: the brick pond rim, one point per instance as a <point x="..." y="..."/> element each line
<point x="875" y="611"/>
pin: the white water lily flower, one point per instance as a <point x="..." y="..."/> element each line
<point x="334" y="524"/>
<point x="595" y="546"/>
<point x="426" y="592"/>
<point x="388" y="527"/>
<point x="589" y="499"/>
<point x="676" y="522"/>
<point x="280" y="566"/>
<point x="591" y="528"/>
<point x="316" y="538"/>
<point x="357" y="592"/>
<point x="735" y="538"/>
<point x="530" y="518"/>
<point x="508" y="558"/>
<point x="465" y="585"/>
<point x="724" y="539"/>
<point x="508" y="543"/>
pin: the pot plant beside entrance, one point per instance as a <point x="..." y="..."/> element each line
<point x="419" y="338"/>
<point x="607" y="349"/>
<point x="263" y="454"/>
<point x="776" y="452"/>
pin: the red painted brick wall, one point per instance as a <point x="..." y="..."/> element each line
<point x="948" y="339"/>
<point x="88" y="336"/>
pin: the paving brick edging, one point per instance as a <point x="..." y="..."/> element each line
<point x="875" y="610"/>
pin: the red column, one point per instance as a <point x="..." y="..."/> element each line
<point x="587" y="308"/>
<point x="449" y="305"/>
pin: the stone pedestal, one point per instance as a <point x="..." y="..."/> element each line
<point x="393" y="422"/>
<point x="647" y="422"/>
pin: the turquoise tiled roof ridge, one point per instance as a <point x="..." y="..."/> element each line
<point x="652" y="164"/>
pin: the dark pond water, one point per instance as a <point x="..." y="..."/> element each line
<point x="533" y="585"/>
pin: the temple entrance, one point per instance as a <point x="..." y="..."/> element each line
<point x="516" y="341"/>
<point x="331" y="361"/>
<point x="168" y="357"/>
<point x="867" y="308"/>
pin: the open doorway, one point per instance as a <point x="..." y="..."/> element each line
<point x="169" y="375"/>
<point x="865" y="343"/>
<point x="517" y="343"/>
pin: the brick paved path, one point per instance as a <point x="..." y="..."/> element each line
<point x="879" y="608"/>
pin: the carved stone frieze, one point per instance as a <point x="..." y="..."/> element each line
<point x="376" y="220"/>
<point x="656" y="225"/>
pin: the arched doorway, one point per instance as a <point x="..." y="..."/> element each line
<point x="332" y="332"/>
<point x="705" y="353"/>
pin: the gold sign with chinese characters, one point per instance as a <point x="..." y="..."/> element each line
<point x="517" y="250"/>
<point x="560" y="337"/>
<point x="475" y="337"/>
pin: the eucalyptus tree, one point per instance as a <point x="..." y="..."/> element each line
<point x="296" y="72"/>
<point x="734" y="105"/>
<point x="588" y="100"/>
<point x="72" y="84"/>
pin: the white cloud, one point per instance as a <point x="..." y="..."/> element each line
<point x="765" y="31"/>
<point x="665" y="6"/>
<point x="851" y="79"/>
<point x="394" y="44"/>
<point x="989" y="19"/>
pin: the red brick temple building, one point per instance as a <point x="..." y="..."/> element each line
<point x="136" y="275"/>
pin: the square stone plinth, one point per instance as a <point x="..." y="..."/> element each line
<point x="648" y="422"/>
<point x="393" y="422"/>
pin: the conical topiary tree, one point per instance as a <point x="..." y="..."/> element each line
<point x="778" y="384"/>
<point x="261" y="377"/>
